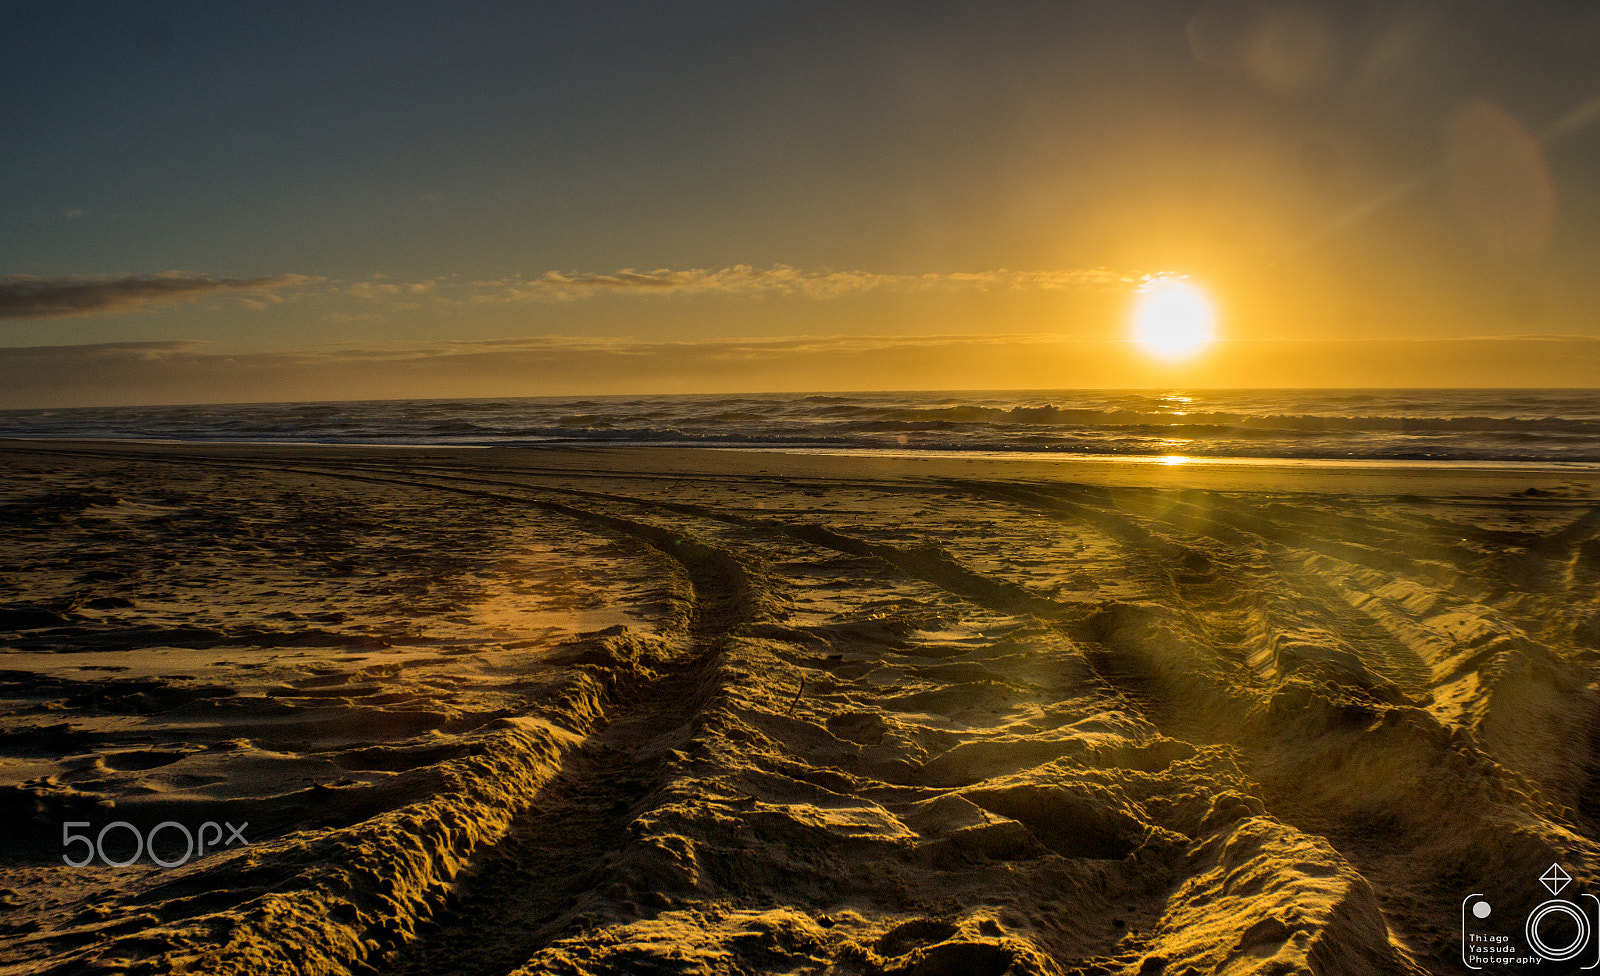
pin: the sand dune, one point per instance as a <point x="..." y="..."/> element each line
<point x="633" y="711"/>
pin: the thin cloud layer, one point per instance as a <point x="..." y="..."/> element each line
<point x="33" y="297"/>
<point x="36" y="297"/>
<point x="780" y="279"/>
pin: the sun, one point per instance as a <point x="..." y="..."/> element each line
<point x="1173" y="319"/>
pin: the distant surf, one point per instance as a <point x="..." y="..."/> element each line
<point x="1501" y="426"/>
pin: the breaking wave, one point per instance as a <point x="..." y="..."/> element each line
<point x="1436" y="425"/>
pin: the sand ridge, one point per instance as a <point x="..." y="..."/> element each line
<point x="679" y="711"/>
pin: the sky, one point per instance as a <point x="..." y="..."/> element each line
<point x="216" y="202"/>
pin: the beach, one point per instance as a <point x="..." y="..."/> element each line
<point x="602" y="709"/>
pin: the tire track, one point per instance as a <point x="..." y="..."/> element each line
<point x="1298" y="570"/>
<point x="1217" y="588"/>
<point x="554" y="870"/>
<point x="580" y="815"/>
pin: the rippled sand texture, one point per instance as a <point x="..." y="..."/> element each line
<point x="689" y="712"/>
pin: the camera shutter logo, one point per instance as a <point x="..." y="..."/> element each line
<point x="1489" y="947"/>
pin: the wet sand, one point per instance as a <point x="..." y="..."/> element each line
<point x="680" y="711"/>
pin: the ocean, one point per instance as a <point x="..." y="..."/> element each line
<point x="1494" y="426"/>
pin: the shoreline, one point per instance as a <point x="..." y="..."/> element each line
<point x="1153" y="471"/>
<point x="1064" y="457"/>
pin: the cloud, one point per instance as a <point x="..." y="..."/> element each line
<point x="388" y="289"/>
<point x="780" y="279"/>
<point x="147" y="351"/>
<point x="36" y="297"/>
<point x="33" y="297"/>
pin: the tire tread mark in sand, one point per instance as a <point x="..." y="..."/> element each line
<point x="1148" y="555"/>
<point x="1382" y="649"/>
<point x="1398" y="661"/>
<point x="1377" y="532"/>
<point x="932" y="565"/>
<point x="730" y="584"/>
<point x="680" y="508"/>
<point x="1397" y="633"/>
<point x="1453" y="573"/>
<point x="555" y="862"/>
<point x="1395" y="659"/>
<point x="1104" y="517"/>
<point x="1562" y="548"/>
<point x="782" y="481"/>
<point x="724" y="589"/>
<point x="1369" y="860"/>
<point x="1117" y="683"/>
<point x="1224" y="520"/>
<point x="929" y="565"/>
<point x="533" y="879"/>
<point x="935" y="567"/>
<point x="1391" y="656"/>
<point x="1121" y="680"/>
<point x="1166" y="561"/>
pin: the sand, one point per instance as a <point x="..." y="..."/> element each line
<point x="680" y="711"/>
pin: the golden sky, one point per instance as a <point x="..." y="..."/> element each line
<point x="500" y="199"/>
